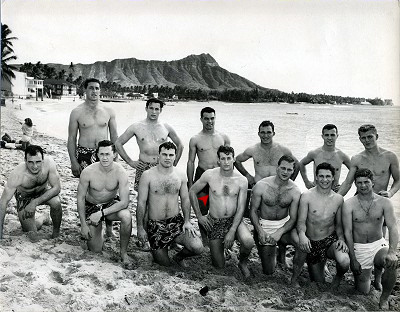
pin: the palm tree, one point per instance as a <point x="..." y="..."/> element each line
<point x="7" y="54"/>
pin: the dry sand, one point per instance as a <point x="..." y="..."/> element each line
<point x="62" y="275"/>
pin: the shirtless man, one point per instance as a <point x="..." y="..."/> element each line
<point x="99" y="185"/>
<point x="94" y="123"/>
<point x="363" y="217"/>
<point x="227" y="200"/>
<point x="326" y="153"/>
<point x="160" y="189"/>
<point x="205" y="145"/>
<point x="383" y="164"/>
<point x="34" y="182"/>
<point x="320" y="231"/>
<point x="273" y="213"/>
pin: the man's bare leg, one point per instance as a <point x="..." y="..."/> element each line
<point x="298" y="262"/>
<point x="56" y="215"/>
<point x="217" y="253"/>
<point x="246" y="245"/>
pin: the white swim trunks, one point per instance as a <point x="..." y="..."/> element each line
<point x="270" y="226"/>
<point x="365" y="253"/>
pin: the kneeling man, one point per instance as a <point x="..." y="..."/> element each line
<point x="320" y="230"/>
<point x="363" y="217"/>
<point x="160" y="188"/>
<point x="274" y="205"/>
<point x="34" y="182"/>
<point x="228" y="191"/>
<point x="98" y="200"/>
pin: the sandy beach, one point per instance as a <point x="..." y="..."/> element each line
<point x="62" y="275"/>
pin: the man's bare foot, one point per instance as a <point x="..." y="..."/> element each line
<point x="143" y="246"/>
<point x="384" y="304"/>
<point x="377" y="284"/>
<point x="128" y="262"/>
<point x="336" y="282"/>
<point x="244" y="268"/>
<point x="180" y="261"/>
<point x="56" y="233"/>
<point x="33" y="236"/>
<point x="110" y="233"/>
<point x="294" y="283"/>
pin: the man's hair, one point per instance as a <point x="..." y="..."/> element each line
<point x="105" y="143"/>
<point x="365" y="173"/>
<point x="226" y="150"/>
<point x="266" y="123"/>
<point x="329" y="127"/>
<point x="325" y="166"/>
<point x="154" y="100"/>
<point x="33" y="150"/>
<point x="87" y="81"/>
<point x="287" y="158"/>
<point x="207" y="110"/>
<point x="28" y="122"/>
<point x="167" y="145"/>
<point x="366" y="128"/>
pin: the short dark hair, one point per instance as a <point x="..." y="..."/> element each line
<point x="28" y="122"/>
<point x="266" y="123"/>
<point x="154" y="100"/>
<point x="33" y="150"/>
<point x="89" y="80"/>
<point x="329" y="127"/>
<point x="365" y="173"/>
<point x="226" y="150"/>
<point x="287" y="158"/>
<point x="366" y="128"/>
<point x="167" y="145"/>
<point x="325" y="166"/>
<point x="207" y="110"/>
<point x="105" y="143"/>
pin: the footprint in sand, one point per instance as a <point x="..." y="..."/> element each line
<point x="57" y="276"/>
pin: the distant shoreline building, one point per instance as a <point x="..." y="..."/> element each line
<point x="22" y="86"/>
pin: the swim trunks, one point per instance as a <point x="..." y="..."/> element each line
<point x="365" y="253"/>
<point x="204" y="205"/>
<point x="161" y="233"/>
<point x="270" y="227"/>
<point x="142" y="167"/>
<point x="220" y="227"/>
<point x="23" y="200"/>
<point x="319" y="249"/>
<point x="91" y="208"/>
<point x="86" y="156"/>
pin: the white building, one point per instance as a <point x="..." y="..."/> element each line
<point x="22" y="86"/>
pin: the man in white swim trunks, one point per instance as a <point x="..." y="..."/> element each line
<point x="273" y="212"/>
<point x="363" y="216"/>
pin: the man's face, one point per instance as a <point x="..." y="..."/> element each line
<point x="153" y="111"/>
<point x="34" y="163"/>
<point x="368" y="139"/>
<point x="208" y="121"/>
<point x="226" y="161"/>
<point x="167" y="157"/>
<point x="364" y="185"/>
<point x="285" y="170"/>
<point x="266" y="134"/>
<point x="324" y="178"/>
<point x="93" y="91"/>
<point x="329" y="136"/>
<point x="106" y="155"/>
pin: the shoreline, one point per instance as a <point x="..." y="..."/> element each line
<point x="62" y="275"/>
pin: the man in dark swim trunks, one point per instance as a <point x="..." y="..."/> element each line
<point x="98" y="187"/>
<point x="319" y="227"/>
<point x="159" y="189"/>
<point x="205" y="145"/>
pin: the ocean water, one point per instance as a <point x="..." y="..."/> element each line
<point x="297" y="126"/>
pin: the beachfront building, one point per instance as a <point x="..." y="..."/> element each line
<point x="57" y="88"/>
<point x="22" y="86"/>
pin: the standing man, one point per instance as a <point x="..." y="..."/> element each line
<point x="320" y="231"/>
<point x="363" y="216"/>
<point x="227" y="200"/>
<point x="326" y="153"/>
<point x="99" y="185"/>
<point x="34" y="182"/>
<point x="94" y="123"/>
<point x="274" y="205"/>
<point x="205" y="145"/>
<point x="160" y="189"/>
<point x="383" y="164"/>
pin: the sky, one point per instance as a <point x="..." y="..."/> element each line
<point x="347" y="48"/>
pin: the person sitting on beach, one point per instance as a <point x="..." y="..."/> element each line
<point x="160" y="189"/>
<point x="204" y="145"/>
<point x="363" y="216"/>
<point x="273" y="212"/>
<point x="34" y="182"/>
<point x="326" y="153"/>
<point x="319" y="227"/>
<point x="95" y="123"/>
<point x="103" y="194"/>
<point x="223" y="223"/>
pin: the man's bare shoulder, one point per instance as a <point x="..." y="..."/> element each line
<point x="109" y="110"/>
<point x="77" y="111"/>
<point x="388" y="154"/>
<point x="251" y="150"/>
<point x="285" y="150"/>
<point x="292" y="187"/>
<point x="240" y="177"/>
